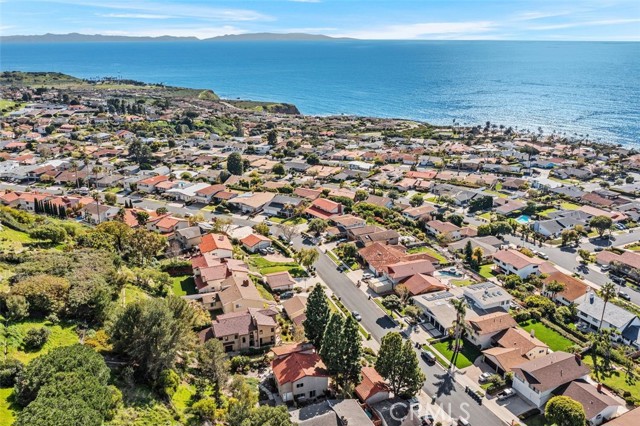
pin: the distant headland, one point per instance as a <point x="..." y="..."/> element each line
<point x="80" y="38"/>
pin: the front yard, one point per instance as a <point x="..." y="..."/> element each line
<point x="551" y="338"/>
<point x="468" y="352"/>
<point x="265" y="266"/>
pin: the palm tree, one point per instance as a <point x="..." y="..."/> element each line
<point x="606" y="293"/>
<point x="459" y="327"/>
<point x="96" y="197"/>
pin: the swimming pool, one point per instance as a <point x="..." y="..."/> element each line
<point x="523" y="219"/>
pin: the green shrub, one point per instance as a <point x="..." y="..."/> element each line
<point x="36" y="338"/>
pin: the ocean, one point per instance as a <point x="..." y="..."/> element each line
<point x="573" y="88"/>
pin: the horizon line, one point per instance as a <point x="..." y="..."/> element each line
<point x="328" y="37"/>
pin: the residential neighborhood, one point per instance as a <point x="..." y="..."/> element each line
<point x="500" y="268"/>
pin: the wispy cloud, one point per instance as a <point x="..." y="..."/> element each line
<point x="595" y="23"/>
<point x="174" y="9"/>
<point x="132" y="16"/>
<point x="440" y="30"/>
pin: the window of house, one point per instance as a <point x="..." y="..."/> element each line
<point x="273" y="329"/>
<point x="261" y="331"/>
<point x="299" y="385"/>
<point x="312" y="394"/>
<point x="244" y="340"/>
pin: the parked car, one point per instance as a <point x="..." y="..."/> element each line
<point x="367" y="276"/>
<point x="485" y="377"/>
<point x="506" y="394"/>
<point x="286" y="295"/>
<point x="357" y="315"/>
<point x="618" y="280"/>
<point x="598" y="249"/>
<point x="428" y="356"/>
<point x="605" y="268"/>
<point x="623" y="295"/>
<point x="462" y="422"/>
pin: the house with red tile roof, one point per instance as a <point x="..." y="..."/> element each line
<point x="323" y="208"/>
<point x="255" y="242"/>
<point x="372" y="388"/>
<point x="300" y="376"/>
<point x="148" y="185"/>
<point x="218" y="244"/>
<point x="166" y="224"/>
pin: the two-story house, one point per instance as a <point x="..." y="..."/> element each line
<point x="483" y="328"/>
<point x="238" y="331"/>
<point x="513" y="262"/>
<point x="536" y="380"/>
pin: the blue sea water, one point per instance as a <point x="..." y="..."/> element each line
<point x="571" y="87"/>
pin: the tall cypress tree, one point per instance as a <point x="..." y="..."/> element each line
<point x="352" y="352"/>
<point x="317" y="316"/>
<point x="332" y="350"/>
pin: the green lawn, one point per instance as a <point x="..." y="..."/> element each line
<point x="486" y="216"/>
<point x="7" y="414"/>
<point x="266" y="267"/>
<point x="296" y="221"/>
<point x="617" y="379"/>
<point x="61" y="335"/>
<point x="461" y="283"/>
<point x="467" y="354"/>
<point x="485" y="271"/>
<point x="184" y="285"/>
<point x="131" y="293"/>
<point x="11" y="239"/>
<point x="569" y="206"/>
<point x="546" y="212"/>
<point x="430" y="251"/>
<point x="333" y="256"/>
<point x="496" y="193"/>
<point x="114" y="190"/>
<point x="551" y="338"/>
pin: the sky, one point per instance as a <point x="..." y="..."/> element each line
<point x="606" y="20"/>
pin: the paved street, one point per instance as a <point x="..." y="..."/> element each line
<point x="566" y="257"/>
<point x="451" y="397"/>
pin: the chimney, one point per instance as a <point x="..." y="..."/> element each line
<point x="578" y="359"/>
<point x="245" y="282"/>
<point x="344" y="421"/>
<point x="592" y="297"/>
<point x="533" y="333"/>
<point x="560" y="373"/>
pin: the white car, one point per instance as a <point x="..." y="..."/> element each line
<point x="505" y="394"/>
<point x="484" y="377"/>
<point x="357" y="315"/>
